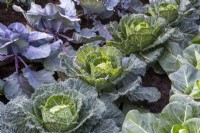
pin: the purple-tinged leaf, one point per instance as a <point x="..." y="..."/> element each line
<point x="33" y="53"/>
<point x="35" y="36"/>
<point x="110" y="4"/>
<point x="18" y="28"/>
<point x="102" y="30"/>
<point x="52" y="63"/>
<point x="15" y="85"/>
<point x="20" y="46"/>
<point x="37" y="78"/>
<point x="87" y="36"/>
<point x="69" y="7"/>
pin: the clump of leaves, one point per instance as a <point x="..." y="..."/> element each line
<point x="138" y="33"/>
<point x="112" y="74"/>
<point x="169" y="10"/>
<point x="100" y="66"/>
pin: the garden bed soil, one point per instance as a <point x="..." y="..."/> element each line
<point x="163" y="84"/>
<point x="8" y="15"/>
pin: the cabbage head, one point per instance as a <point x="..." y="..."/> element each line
<point x="103" y="67"/>
<point x="70" y="106"/>
<point x="169" y="10"/>
<point x="137" y="33"/>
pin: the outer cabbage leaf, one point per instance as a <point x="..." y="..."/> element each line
<point x="37" y="78"/>
<point x="152" y="55"/>
<point x="192" y="125"/>
<point x="52" y="63"/>
<point x="12" y="121"/>
<point x="37" y="52"/>
<point x="46" y="110"/>
<point x="170" y="59"/>
<point x="103" y="32"/>
<point x="186" y="81"/>
<point x="16" y="85"/>
<point x="137" y="33"/>
<point x="113" y="119"/>
<point x="192" y="55"/>
<point x="175" y="56"/>
<point x="15" y="35"/>
<point x="183" y="112"/>
<point x="26" y="82"/>
<point x="150" y="94"/>
<point x="130" y="87"/>
<point x="107" y="126"/>
<point x="136" y="122"/>
<point x="133" y="6"/>
<point x="189" y="28"/>
<point x="87" y="36"/>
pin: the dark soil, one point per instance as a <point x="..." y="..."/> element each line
<point x="163" y="84"/>
<point x="3" y="99"/>
<point x="7" y="70"/>
<point x="8" y="15"/>
<point x="44" y="2"/>
<point x="145" y="1"/>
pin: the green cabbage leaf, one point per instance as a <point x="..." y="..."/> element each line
<point x="181" y="115"/>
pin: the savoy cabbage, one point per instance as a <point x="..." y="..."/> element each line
<point x="69" y="106"/>
<point x="136" y="33"/>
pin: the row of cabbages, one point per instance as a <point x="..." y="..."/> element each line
<point x="101" y="83"/>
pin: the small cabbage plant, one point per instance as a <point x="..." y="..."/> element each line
<point x="70" y="106"/>
<point x="169" y="10"/>
<point x="52" y="18"/>
<point x="112" y="74"/>
<point x="103" y="67"/>
<point x="173" y="11"/>
<point x="18" y="42"/>
<point x="181" y="115"/>
<point x="137" y="33"/>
